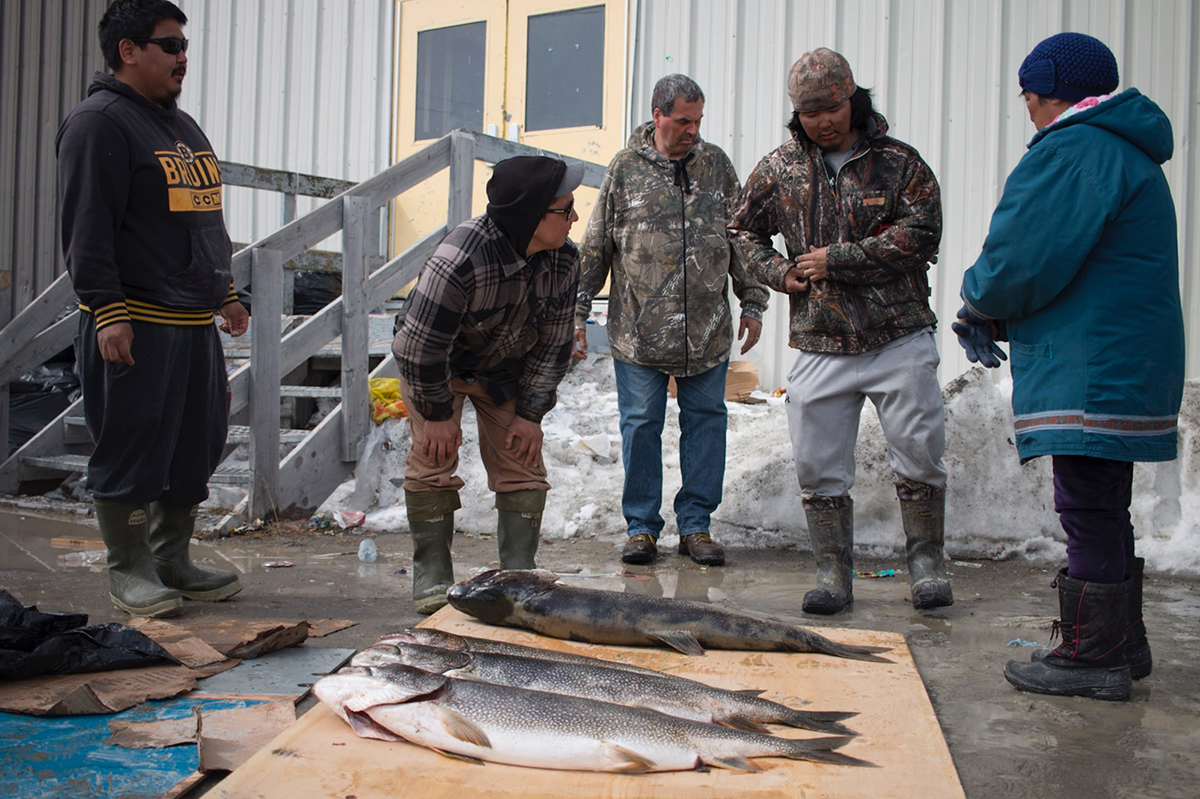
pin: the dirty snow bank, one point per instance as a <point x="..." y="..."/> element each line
<point x="996" y="508"/>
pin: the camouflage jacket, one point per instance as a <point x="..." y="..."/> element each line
<point x="881" y="218"/>
<point x="663" y="240"/>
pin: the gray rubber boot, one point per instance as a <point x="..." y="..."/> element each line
<point x="431" y="521"/>
<point x="133" y="585"/>
<point x="171" y="529"/>
<point x="519" y="527"/>
<point x="831" y="528"/>
<point x="1090" y="661"/>
<point x="924" y="520"/>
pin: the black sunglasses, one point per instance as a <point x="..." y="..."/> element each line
<point x="171" y="45"/>
<point x="566" y="212"/>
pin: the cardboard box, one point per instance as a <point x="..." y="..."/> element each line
<point x="740" y="381"/>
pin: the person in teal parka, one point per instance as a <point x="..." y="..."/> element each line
<point x="1080" y="273"/>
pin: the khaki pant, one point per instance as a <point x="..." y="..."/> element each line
<point x="505" y="472"/>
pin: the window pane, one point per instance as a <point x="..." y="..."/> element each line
<point x="565" y="80"/>
<point x="450" y="79"/>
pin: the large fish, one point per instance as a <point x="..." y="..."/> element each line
<point x="673" y="695"/>
<point x="535" y="600"/>
<point x="481" y="721"/>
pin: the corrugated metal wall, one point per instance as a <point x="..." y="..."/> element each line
<point x="944" y="73"/>
<point x="300" y="85"/>
<point x="48" y="52"/>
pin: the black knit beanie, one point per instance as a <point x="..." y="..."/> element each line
<point x="519" y="192"/>
<point x="1069" y="66"/>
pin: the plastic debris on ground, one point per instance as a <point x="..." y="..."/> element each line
<point x="343" y="519"/>
<point x="279" y="564"/>
<point x="1022" y="642"/>
<point x="255" y="526"/>
<point x="385" y="399"/>
<point x="874" y="574"/>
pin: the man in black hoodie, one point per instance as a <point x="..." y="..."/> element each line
<point x="490" y="318"/>
<point x="146" y="247"/>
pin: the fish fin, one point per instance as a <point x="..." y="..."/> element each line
<point x="462" y="728"/>
<point x="387" y="694"/>
<point x="749" y="692"/>
<point x="819" y="643"/>
<point x="681" y="640"/>
<point x="826" y="722"/>
<point x="366" y="727"/>
<point x="627" y="761"/>
<point x="733" y="763"/>
<point x="743" y="723"/>
<point x="833" y="759"/>
<point x="474" y="760"/>
<point x="817" y="750"/>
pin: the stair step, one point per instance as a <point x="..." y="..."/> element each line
<point x="311" y="391"/>
<point x="240" y="434"/>
<point x="72" y="464"/>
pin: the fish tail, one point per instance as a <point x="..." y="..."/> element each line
<point x="812" y="642"/>
<point x="826" y="722"/>
<point x="832" y="758"/>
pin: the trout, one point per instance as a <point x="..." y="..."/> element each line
<point x="484" y="722"/>
<point x="666" y="693"/>
<point x="535" y="600"/>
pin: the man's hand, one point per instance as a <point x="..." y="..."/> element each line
<point x="813" y="264"/>
<point x="976" y="337"/>
<point x="528" y="437"/>
<point x="442" y="440"/>
<point x="579" y="351"/>
<point x="234" y="319"/>
<point x="751" y="329"/>
<point x="116" y="343"/>
<point x="795" y="281"/>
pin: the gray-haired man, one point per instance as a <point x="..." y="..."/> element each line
<point x="659" y="231"/>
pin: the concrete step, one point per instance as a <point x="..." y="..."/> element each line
<point x="311" y="391"/>
<point x="240" y="434"/>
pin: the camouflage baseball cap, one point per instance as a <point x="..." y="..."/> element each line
<point x="820" y="79"/>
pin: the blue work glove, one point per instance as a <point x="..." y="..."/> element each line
<point x="975" y="336"/>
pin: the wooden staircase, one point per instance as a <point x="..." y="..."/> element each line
<point x="289" y="469"/>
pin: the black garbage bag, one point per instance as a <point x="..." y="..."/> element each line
<point x="33" y="643"/>
<point x="312" y="291"/>
<point x="37" y="397"/>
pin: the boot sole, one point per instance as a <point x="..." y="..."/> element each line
<point x="821" y="602"/>
<point x="703" y="560"/>
<point x="1112" y="690"/>
<point x="160" y="610"/>
<point x="932" y="594"/>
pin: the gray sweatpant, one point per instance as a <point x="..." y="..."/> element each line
<point x="825" y="395"/>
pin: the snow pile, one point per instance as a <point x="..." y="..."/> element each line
<point x="996" y="508"/>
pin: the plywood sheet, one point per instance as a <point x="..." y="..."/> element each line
<point x="319" y="756"/>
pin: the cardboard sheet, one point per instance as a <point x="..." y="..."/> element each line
<point x="319" y="756"/>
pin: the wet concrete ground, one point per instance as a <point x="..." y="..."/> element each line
<point x="1004" y="743"/>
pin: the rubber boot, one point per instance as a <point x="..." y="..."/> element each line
<point x="831" y="528"/>
<point x="924" y="533"/>
<point x="431" y="521"/>
<point x="1137" y="648"/>
<point x="519" y="527"/>
<point x="1090" y="660"/>
<point x="171" y="529"/>
<point x="133" y="585"/>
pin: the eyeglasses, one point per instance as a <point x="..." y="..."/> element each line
<point x="566" y="212"/>
<point x="171" y="45"/>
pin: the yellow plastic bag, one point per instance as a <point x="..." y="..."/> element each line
<point x="386" y="402"/>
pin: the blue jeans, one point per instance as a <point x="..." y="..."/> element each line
<point x="642" y="400"/>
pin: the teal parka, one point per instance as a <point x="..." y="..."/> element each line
<point x="1081" y="264"/>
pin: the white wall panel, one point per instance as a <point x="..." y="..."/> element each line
<point x="299" y="85"/>
<point x="944" y="73"/>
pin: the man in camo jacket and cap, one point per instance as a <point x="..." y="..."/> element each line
<point x="659" y="230"/>
<point x="861" y="217"/>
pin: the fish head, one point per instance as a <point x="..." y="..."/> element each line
<point x="492" y="596"/>
<point x="426" y="636"/>
<point x="356" y="688"/>
<point x="426" y="658"/>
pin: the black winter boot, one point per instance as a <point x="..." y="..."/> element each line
<point x="923" y="512"/>
<point x="1137" y="648"/>
<point x="831" y="528"/>
<point x="1090" y="661"/>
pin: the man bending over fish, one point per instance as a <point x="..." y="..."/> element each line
<point x="491" y="318"/>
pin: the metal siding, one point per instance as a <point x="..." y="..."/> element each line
<point x="944" y="73"/>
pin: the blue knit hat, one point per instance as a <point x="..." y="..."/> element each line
<point x="1069" y="66"/>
